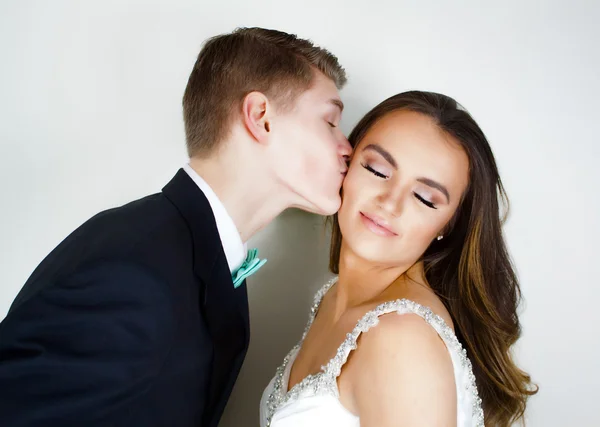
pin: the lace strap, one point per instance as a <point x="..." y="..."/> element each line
<point x="316" y="303"/>
<point x="403" y="306"/>
<point x="371" y="319"/>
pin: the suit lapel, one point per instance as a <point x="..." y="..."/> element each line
<point x="225" y="308"/>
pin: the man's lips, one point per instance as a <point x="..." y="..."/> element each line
<point x="377" y="225"/>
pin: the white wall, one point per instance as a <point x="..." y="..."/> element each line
<point x="90" y="118"/>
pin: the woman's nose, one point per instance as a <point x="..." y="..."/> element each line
<point x="391" y="202"/>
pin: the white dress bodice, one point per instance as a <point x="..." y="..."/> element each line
<point x="315" y="400"/>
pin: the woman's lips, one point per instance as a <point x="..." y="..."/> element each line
<point x="376" y="225"/>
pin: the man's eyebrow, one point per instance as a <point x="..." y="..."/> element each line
<point x="338" y="103"/>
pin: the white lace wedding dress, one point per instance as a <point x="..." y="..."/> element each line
<point x="315" y="401"/>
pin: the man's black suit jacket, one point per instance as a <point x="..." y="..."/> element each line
<point x="132" y="321"/>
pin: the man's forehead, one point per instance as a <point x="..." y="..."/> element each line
<point x="325" y="85"/>
<point x="323" y="91"/>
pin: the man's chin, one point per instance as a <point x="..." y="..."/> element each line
<point x="318" y="210"/>
<point x="324" y="206"/>
<point x="328" y="207"/>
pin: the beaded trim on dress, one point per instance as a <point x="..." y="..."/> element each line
<point x="325" y="381"/>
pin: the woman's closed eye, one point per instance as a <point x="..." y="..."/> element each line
<point x="424" y="201"/>
<point x="374" y="171"/>
<point x="381" y="175"/>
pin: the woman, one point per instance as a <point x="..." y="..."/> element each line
<point x="418" y="234"/>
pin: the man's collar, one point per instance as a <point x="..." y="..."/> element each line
<point x="235" y="250"/>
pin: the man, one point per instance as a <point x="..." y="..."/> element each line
<point x="140" y="316"/>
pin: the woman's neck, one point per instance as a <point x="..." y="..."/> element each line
<point x="360" y="282"/>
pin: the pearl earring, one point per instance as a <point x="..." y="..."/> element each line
<point x="440" y="237"/>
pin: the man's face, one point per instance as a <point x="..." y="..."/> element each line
<point x="310" y="150"/>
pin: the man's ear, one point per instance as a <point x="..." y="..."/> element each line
<point x="256" y="111"/>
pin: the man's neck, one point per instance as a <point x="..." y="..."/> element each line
<point x="250" y="196"/>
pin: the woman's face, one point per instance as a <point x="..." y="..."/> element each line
<point x="404" y="184"/>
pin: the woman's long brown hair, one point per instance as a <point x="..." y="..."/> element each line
<point x="470" y="269"/>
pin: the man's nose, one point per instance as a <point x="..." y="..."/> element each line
<point x="344" y="148"/>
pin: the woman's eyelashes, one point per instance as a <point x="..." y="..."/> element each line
<point x="333" y="125"/>
<point x="378" y="174"/>
<point x="373" y="171"/>
<point x="425" y="201"/>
